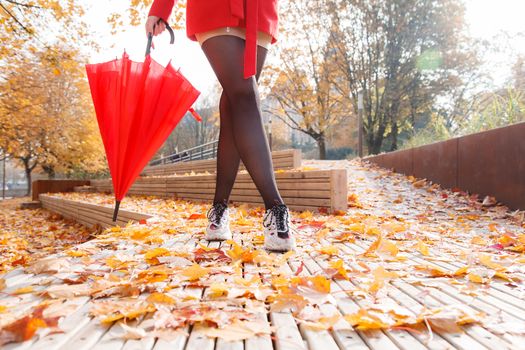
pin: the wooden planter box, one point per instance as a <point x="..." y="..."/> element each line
<point x="301" y="190"/>
<point x="89" y="214"/>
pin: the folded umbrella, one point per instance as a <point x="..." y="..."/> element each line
<point x="138" y="104"/>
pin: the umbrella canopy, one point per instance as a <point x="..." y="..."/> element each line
<point x="138" y="104"/>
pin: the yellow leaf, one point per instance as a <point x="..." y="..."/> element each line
<point x="205" y="248"/>
<point x="373" y="231"/>
<point x="23" y="290"/>
<point x="160" y="298"/>
<point x="380" y="277"/>
<point x="321" y="234"/>
<point x="506" y="240"/>
<point x="320" y="283"/>
<point x="306" y="215"/>
<point x="153" y="253"/>
<point x="339" y="266"/>
<point x="478" y="240"/>
<point x="503" y="276"/>
<point x="388" y="247"/>
<point x="357" y="227"/>
<point x="195" y="272"/>
<point x="216" y="290"/>
<point x="238" y="253"/>
<point x="461" y="271"/>
<point x="329" y="250"/>
<point x="486" y="260"/>
<point x="373" y="247"/>
<point x="363" y="320"/>
<point x="76" y="253"/>
<point x="477" y="278"/>
<point x="422" y="248"/>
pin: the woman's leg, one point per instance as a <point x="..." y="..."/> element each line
<point x="225" y="54"/>
<point x="228" y="157"/>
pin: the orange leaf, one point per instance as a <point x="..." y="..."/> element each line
<point x="197" y="216"/>
<point x="195" y="272"/>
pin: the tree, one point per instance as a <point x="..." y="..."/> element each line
<point x="46" y="114"/>
<point x="402" y="55"/>
<point x="136" y="11"/>
<point x="21" y="22"/>
<point x="307" y="99"/>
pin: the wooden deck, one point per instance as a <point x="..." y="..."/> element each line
<point x="424" y="279"/>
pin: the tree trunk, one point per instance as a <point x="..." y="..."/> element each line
<point x="394" y="134"/>
<point x="321" y="144"/>
<point x="28" y="170"/>
<point x="378" y="140"/>
<point x="28" y="177"/>
<point x="50" y="171"/>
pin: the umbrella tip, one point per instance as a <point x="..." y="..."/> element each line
<point x="115" y="212"/>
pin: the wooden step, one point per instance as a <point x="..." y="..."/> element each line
<point x="286" y="159"/>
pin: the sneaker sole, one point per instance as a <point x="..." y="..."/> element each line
<point x="284" y="246"/>
<point x="218" y="236"/>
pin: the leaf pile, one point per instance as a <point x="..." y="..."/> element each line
<point x="27" y="235"/>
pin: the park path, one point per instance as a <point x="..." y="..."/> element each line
<point x="408" y="266"/>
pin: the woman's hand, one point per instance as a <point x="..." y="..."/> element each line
<point x="154" y="26"/>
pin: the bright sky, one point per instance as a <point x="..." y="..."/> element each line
<point x="486" y="18"/>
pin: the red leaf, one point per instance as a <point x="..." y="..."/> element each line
<point x="313" y="224"/>
<point x="300" y="269"/>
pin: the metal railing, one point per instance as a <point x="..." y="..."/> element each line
<point x="204" y="151"/>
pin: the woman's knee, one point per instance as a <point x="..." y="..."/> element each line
<point x="244" y="91"/>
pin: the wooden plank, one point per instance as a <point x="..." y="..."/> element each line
<point x="88" y="336"/>
<point x="321" y="175"/>
<point x="287" y="336"/>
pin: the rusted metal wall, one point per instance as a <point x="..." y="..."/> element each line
<point x="488" y="163"/>
<point x="53" y="186"/>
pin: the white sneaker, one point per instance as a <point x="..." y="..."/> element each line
<point x="218" y="228"/>
<point x="277" y="229"/>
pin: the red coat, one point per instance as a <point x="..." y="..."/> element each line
<point x="204" y="15"/>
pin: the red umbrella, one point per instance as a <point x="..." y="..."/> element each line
<point x="138" y="104"/>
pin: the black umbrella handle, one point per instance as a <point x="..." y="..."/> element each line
<point x="150" y="35"/>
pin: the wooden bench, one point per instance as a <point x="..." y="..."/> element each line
<point x="287" y="159"/>
<point x="301" y="190"/>
<point x="89" y="214"/>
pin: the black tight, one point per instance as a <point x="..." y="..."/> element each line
<point x="241" y="130"/>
